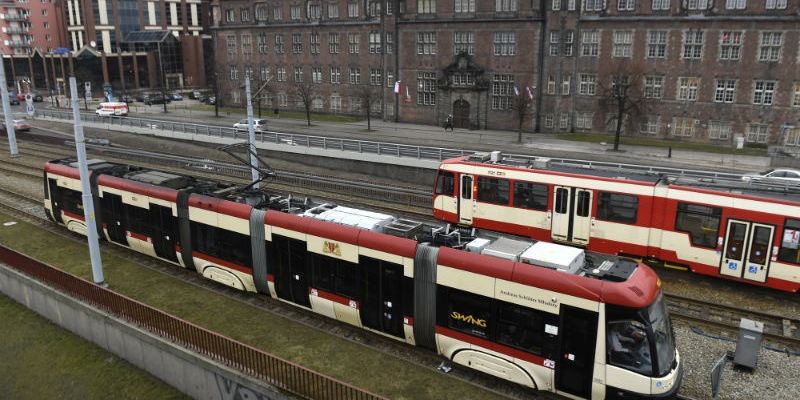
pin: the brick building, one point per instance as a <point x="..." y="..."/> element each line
<point x="697" y="69"/>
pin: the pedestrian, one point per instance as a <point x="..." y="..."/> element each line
<point x="449" y="123"/>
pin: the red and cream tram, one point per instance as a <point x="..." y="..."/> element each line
<point x="546" y="316"/>
<point x="743" y="232"/>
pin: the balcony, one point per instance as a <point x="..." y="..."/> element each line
<point x="18" y="43"/>
<point x="17" y="30"/>
<point x="15" y="17"/>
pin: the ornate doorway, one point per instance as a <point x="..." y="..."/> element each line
<point x="461" y="114"/>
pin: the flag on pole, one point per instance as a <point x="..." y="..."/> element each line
<point x="530" y="92"/>
<point x="516" y="91"/>
<point x="397" y="87"/>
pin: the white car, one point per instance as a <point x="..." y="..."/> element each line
<point x="258" y="124"/>
<point x="782" y="175"/>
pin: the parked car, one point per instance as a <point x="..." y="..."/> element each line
<point x="258" y="124"/>
<point x="20" y="96"/>
<point x="37" y="98"/>
<point x="108" y="109"/>
<point x="20" y="125"/>
<point x="782" y="175"/>
<point x="210" y="100"/>
<point x="195" y="95"/>
<point x="126" y="98"/>
<point x="176" y="96"/>
<point x="140" y="97"/>
<point x="156" y="99"/>
<point x="12" y="99"/>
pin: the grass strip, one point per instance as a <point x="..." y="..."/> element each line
<point x="328" y="354"/>
<point x="662" y="143"/>
<point x="267" y="113"/>
<point x="40" y="360"/>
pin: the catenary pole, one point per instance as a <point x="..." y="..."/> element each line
<point x="86" y="194"/>
<point x="12" y="138"/>
<point x="251" y="133"/>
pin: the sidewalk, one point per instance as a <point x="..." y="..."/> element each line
<point x="546" y="145"/>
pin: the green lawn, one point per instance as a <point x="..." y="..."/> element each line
<point x="663" y="143"/>
<point x="267" y="113"/>
<point x="40" y="360"/>
<point x="315" y="349"/>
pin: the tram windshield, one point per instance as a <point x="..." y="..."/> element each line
<point x="641" y="340"/>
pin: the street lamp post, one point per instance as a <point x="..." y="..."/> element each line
<point x="12" y="138"/>
<point x="163" y="78"/>
<point x="251" y="130"/>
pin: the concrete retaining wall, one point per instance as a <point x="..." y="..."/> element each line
<point x="193" y="375"/>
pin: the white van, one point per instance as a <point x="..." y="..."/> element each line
<point x="116" y="109"/>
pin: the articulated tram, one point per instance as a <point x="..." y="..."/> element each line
<point x="744" y="232"/>
<point x="551" y="317"/>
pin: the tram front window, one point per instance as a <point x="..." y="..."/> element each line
<point x="641" y="340"/>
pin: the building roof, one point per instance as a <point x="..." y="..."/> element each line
<point x="149" y="37"/>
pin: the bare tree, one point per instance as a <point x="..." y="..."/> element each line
<point x="522" y="106"/>
<point x="305" y="92"/>
<point x="368" y="96"/>
<point x="624" y="97"/>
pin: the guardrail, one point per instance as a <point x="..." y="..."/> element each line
<point x="280" y="373"/>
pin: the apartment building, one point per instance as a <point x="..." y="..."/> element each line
<point x="15" y="27"/>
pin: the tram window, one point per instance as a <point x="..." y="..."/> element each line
<point x="617" y="207"/>
<point x="582" y="204"/>
<point x="323" y="272"/>
<point x="790" y="251"/>
<point x="348" y="279"/>
<point x="530" y="195"/>
<point x="408" y="296"/>
<point x="493" y="190"/>
<point x="203" y="238"/>
<point x="701" y="222"/>
<point x="445" y="183"/>
<point x="561" y="200"/>
<point x="465" y="312"/>
<point x="71" y="201"/>
<point x="222" y="243"/>
<point x="760" y="245"/>
<point x="138" y="219"/>
<point x="629" y="347"/>
<point x="520" y="327"/>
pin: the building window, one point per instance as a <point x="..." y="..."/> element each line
<point x="279" y="44"/>
<point x="354" y="42"/>
<point x="687" y="88"/>
<point x="770" y="47"/>
<point x="280" y="74"/>
<point x="549" y="121"/>
<point x="505" y="43"/>
<point x="792" y="138"/>
<point x="626" y="5"/>
<point x="464" y="42"/>
<point x="725" y="91"/>
<point x="757" y="133"/>
<point x="556" y="6"/>
<point x="236" y="97"/>
<point x="505" y="5"/>
<point x="230" y="15"/>
<point x="261" y="13"/>
<point x="389" y="7"/>
<point x="719" y="130"/>
<point x="735" y="4"/>
<point x="233" y="73"/>
<point x="593" y="5"/>
<point x="317" y="103"/>
<point x="426" y="88"/>
<point x="554" y="39"/>
<point x="693" y="44"/>
<point x="375" y="77"/>
<point x="248" y="72"/>
<point x="653" y="87"/>
<point x="316" y="74"/>
<point x="277" y="13"/>
<point x="571" y="5"/>
<point x="590" y="43"/>
<point x="231" y="41"/>
<point x="352" y="10"/>
<point x="333" y="13"/>
<point x="730" y="45"/>
<point x="764" y="92"/>
<point x="563" y="121"/>
<point x="389" y="42"/>
<point x="551" y="84"/>
<point x="245" y="15"/>
<point x="650" y="126"/>
<point x="462" y="79"/>
<point x="247" y="45"/>
<point x="297" y="43"/>
<point x="336" y="75"/>
<point x="775" y="5"/>
<point x="426" y="42"/>
<point x="584" y="120"/>
<point x="375" y="42"/>
<point x="336" y="103"/>
<point x="265" y="73"/>
<point x="656" y="44"/>
<point x="333" y="43"/>
<point x="587" y="84"/>
<point x="426" y="6"/>
<point x="660" y="5"/>
<point x="314" y="11"/>
<point x="314" y="43"/>
<point x="464" y="6"/>
<point x="298" y="74"/>
<point x="683" y="127"/>
<point x="623" y="43"/>
<point x="262" y="43"/>
<point x="696" y="4"/>
<point x="355" y="75"/>
<point x="502" y="90"/>
<point x="294" y="12"/>
<point x="569" y="38"/>
<point x="796" y="95"/>
<point x="566" y="80"/>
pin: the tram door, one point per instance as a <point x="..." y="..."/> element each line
<point x="291" y="270"/>
<point x="382" y="307"/>
<point x="165" y="232"/>
<point x="747" y="250"/>
<point x="55" y="200"/>
<point x="571" y="220"/>
<point x="465" y="200"/>
<point x="113" y="217"/>
<point x="575" y="363"/>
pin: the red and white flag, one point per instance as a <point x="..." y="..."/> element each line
<point x="397" y="87"/>
<point x="530" y="92"/>
<point x="516" y="91"/>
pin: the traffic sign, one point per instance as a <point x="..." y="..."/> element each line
<point x="87" y="93"/>
<point x="29" y="108"/>
<point x="29" y="99"/>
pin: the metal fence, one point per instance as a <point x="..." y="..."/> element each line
<point x="273" y="370"/>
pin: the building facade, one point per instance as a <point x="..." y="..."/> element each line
<point x="15" y="28"/>
<point x="700" y="70"/>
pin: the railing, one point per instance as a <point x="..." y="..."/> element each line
<point x="282" y="374"/>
